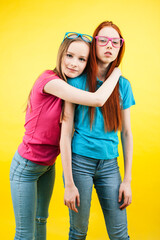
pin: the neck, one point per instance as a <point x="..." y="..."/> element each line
<point x="102" y="71"/>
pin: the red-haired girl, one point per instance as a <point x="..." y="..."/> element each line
<point x="93" y="158"/>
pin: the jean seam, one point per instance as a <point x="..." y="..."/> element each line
<point x="20" y="175"/>
<point x="15" y="169"/>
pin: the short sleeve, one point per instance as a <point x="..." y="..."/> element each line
<point x="46" y="77"/>
<point x="126" y="93"/>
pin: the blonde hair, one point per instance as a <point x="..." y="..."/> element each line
<point x="58" y="69"/>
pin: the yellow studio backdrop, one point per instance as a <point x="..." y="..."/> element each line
<point x="31" y="32"/>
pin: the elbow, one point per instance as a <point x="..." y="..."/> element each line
<point x="99" y="102"/>
<point x="126" y="134"/>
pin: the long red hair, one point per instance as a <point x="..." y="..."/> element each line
<point x="111" y="110"/>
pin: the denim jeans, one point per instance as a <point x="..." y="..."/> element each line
<point x="31" y="190"/>
<point x="105" y="176"/>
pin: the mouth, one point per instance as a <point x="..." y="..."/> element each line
<point x="108" y="54"/>
<point x="72" y="70"/>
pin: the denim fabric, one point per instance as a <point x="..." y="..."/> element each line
<point x="31" y="190"/>
<point x="105" y="176"/>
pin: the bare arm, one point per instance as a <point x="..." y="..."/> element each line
<point x="66" y="92"/>
<point x="127" y="144"/>
<point x="71" y="196"/>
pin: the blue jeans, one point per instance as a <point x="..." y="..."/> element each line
<point x="31" y="190"/>
<point x="105" y="176"/>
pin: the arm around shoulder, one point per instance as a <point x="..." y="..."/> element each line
<point x="63" y="90"/>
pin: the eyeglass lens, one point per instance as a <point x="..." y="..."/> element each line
<point x="116" y="42"/>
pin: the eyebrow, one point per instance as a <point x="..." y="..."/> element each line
<point x="74" y="54"/>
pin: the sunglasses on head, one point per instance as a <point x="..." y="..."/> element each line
<point x="74" y="35"/>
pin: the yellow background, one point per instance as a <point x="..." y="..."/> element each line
<point x="31" y="32"/>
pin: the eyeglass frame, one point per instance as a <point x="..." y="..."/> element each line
<point x="78" y="34"/>
<point x="109" y="39"/>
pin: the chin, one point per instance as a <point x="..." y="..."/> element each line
<point x="72" y="75"/>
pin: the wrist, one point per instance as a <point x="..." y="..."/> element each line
<point x="69" y="185"/>
<point x="127" y="180"/>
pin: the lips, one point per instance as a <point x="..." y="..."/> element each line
<point x="72" y="70"/>
<point x="108" y="53"/>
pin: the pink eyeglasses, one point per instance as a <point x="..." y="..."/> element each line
<point x="103" y="41"/>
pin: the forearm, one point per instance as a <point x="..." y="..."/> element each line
<point x="65" y="142"/>
<point x="66" y="157"/>
<point x="63" y="90"/>
<point x="108" y="86"/>
<point x="127" y="144"/>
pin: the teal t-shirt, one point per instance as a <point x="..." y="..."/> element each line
<point x="95" y="142"/>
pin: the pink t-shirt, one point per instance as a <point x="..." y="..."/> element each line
<point x="42" y="124"/>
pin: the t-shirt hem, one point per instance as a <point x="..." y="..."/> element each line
<point x="44" y="162"/>
<point x="102" y="157"/>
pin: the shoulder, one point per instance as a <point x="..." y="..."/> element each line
<point x="78" y="82"/>
<point x="124" y="85"/>
<point x="48" y="74"/>
<point x="124" y="82"/>
<point x="43" y="79"/>
<point x="126" y="92"/>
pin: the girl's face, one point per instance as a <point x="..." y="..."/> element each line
<point x="75" y="59"/>
<point x="107" y="54"/>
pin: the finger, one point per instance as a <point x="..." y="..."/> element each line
<point x="67" y="203"/>
<point x="125" y="204"/>
<point x="73" y="207"/>
<point x="129" y="201"/>
<point x="78" y="201"/>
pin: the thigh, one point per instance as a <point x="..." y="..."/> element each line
<point x="45" y="186"/>
<point x="82" y="170"/>
<point x="24" y="198"/>
<point x="24" y="175"/>
<point x="107" y="184"/>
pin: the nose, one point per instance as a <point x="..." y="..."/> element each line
<point x="74" y="62"/>
<point x="109" y="44"/>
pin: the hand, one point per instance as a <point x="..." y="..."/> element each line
<point x="125" y="191"/>
<point x="71" y="197"/>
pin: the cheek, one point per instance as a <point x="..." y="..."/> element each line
<point x="63" y="63"/>
<point x="83" y="66"/>
<point x="116" y="52"/>
<point x="66" y="61"/>
<point x="98" y="51"/>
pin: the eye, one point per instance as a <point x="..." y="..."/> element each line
<point x="116" y="41"/>
<point x="82" y="59"/>
<point x="102" y="40"/>
<point x="69" y="55"/>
